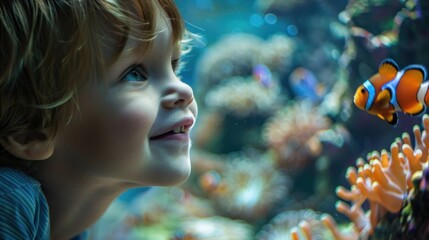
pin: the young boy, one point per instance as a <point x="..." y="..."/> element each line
<point x="90" y="105"/>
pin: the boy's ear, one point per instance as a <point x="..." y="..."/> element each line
<point x="29" y="148"/>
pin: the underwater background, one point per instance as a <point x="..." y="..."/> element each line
<point x="279" y="150"/>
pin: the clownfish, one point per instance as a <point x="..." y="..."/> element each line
<point x="392" y="90"/>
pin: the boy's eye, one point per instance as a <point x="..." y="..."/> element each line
<point x="135" y="74"/>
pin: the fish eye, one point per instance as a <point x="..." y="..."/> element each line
<point x="363" y="91"/>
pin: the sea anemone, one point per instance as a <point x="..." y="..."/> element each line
<point x="249" y="188"/>
<point x="384" y="180"/>
<point x="292" y="134"/>
<point x="237" y="55"/>
<point x="160" y="213"/>
<point x="214" y="228"/>
<point x="232" y="55"/>
<point x="294" y="224"/>
<point x="277" y="53"/>
<point x="241" y="96"/>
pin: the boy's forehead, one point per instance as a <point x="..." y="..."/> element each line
<point x="162" y="36"/>
<point x="163" y="32"/>
<point x="135" y="48"/>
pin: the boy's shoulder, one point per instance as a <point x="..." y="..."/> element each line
<point x="12" y="180"/>
<point x="24" y="211"/>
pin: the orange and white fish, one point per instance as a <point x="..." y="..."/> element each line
<point x="392" y="90"/>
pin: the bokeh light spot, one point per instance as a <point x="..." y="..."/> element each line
<point x="270" y="18"/>
<point x="292" y="30"/>
<point x="256" y="20"/>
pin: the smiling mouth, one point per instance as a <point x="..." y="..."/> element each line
<point x="178" y="130"/>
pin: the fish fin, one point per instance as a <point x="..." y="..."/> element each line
<point x="392" y="119"/>
<point x="383" y="98"/>
<point x="417" y="111"/>
<point x="388" y="69"/>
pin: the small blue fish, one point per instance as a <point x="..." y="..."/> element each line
<point x="305" y="84"/>
<point x="263" y="75"/>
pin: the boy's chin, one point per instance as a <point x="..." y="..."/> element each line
<point x="176" y="178"/>
<point x="168" y="176"/>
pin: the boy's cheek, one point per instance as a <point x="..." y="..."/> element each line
<point x="129" y="124"/>
<point x="111" y="123"/>
<point x="116" y="108"/>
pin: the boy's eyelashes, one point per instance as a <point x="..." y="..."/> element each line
<point x="137" y="72"/>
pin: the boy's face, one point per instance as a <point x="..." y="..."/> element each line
<point x="129" y="133"/>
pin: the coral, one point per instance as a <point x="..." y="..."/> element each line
<point x="233" y="55"/>
<point x="384" y="180"/>
<point x="249" y="188"/>
<point x="255" y="100"/>
<point x="336" y="102"/>
<point x="342" y="233"/>
<point x="237" y="55"/>
<point x="292" y="134"/>
<point x="160" y="213"/>
<point x="415" y="214"/>
<point x="214" y="228"/>
<point x="356" y="8"/>
<point x="277" y="52"/>
<point x="294" y="225"/>
<point x="387" y="197"/>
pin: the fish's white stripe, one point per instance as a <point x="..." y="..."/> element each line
<point x="422" y="92"/>
<point x="391" y="86"/>
<point x="371" y="94"/>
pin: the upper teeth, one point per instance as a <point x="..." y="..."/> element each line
<point x="180" y="129"/>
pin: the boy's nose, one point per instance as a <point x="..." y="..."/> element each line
<point x="177" y="94"/>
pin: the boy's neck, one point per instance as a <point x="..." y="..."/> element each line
<point x="76" y="198"/>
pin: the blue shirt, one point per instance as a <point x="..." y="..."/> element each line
<point x="24" y="211"/>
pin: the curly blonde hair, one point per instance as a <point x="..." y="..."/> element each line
<point x="49" y="48"/>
